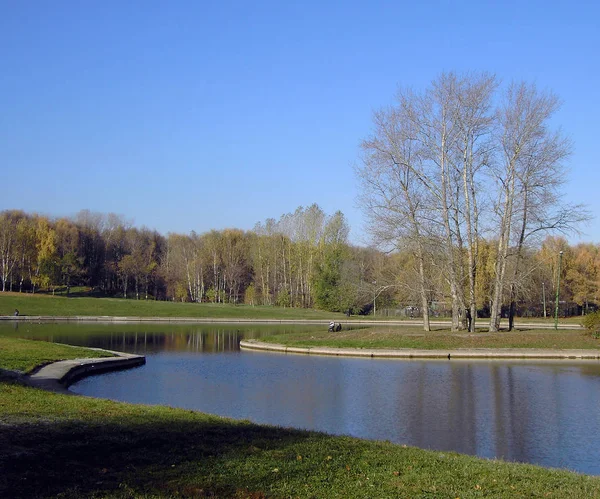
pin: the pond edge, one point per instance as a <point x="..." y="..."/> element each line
<point x="58" y="376"/>
<point x="483" y="353"/>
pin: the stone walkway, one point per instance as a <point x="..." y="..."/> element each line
<point x="58" y="376"/>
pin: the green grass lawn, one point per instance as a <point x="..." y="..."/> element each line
<point x="54" y="445"/>
<point x="59" y="445"/>
<point x="25" y="355"/>
<point x="61" y="305"/>
<point x="438" y="339"/>
<point x="36" y="304"/>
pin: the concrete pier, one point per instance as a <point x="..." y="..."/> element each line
<point x="58" y="376"/>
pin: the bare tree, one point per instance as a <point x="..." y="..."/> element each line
<point x="530" y="172"/>
<point x="424" y="166"/>
<point x="393" y="197"/>
<point x="420" y="176"/>
<point x="473" y="147"/>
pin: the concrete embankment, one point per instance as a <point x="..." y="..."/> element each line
<point x="479" y="353"/>
<point x="59" y="375"/>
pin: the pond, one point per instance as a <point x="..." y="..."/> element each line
<point x="545" y="412"/>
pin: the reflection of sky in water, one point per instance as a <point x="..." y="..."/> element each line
<point x="546" y="412"/>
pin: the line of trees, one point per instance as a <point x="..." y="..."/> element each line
<point x="467" y="179"/>
<point x="460" y="184"/>
<point x="301" y="260"/>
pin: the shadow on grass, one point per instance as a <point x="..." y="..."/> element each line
<point x="75" y="459"/>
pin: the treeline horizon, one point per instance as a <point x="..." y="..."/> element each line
<point x="303" y="259"/>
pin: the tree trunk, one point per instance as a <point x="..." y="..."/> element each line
<point x="503" y="245"/>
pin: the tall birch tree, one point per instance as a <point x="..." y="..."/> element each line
<point x="444" y="169"/>
<point x="420" y="175"/>
<point x="393" y="197"/>
<point x="529" y="174"/>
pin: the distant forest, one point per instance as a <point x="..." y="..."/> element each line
<point x="303" y="259"/>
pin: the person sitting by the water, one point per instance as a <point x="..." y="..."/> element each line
<point x="16" y="312"/>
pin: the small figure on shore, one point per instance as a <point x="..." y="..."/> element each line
<point x="334" y="326"/>
<point x="469" y="318"/>
<point x="16" y="312"/>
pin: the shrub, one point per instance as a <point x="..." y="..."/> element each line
<point x="592" y="323"/>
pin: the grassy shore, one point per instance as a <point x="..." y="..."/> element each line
<point x="37" y="304"/>
<point x="59" y="445"/>
<point x="25" y="355"/>
<point x="438" y="339"/>
<point x="77" y="305"/>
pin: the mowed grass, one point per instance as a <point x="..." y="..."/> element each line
<point x="59" y="445"/>
<point x="438" y="339"/>
<point x="47" y="305"/>
<point x="25" y="355"/>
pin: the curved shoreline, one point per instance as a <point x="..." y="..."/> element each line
<point x="58" y="376"/>
<point x="482" y="353"/>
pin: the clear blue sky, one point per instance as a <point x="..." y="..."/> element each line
<point x="191" y="115"/>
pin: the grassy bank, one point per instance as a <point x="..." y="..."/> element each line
<point x="57" y="445"/>
<point x="24" y="355"/>
<point x="76" y="305"/>
<point x="438" y="339"/>
<point x="33" y="305"/>
<point x="79" y="447"/>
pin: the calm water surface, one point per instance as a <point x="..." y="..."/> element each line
<point x="546" y="413"/>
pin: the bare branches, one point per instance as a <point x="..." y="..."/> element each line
<point x="444" y="169"/>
